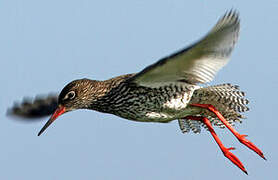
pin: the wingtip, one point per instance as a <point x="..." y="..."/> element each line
<point x="232" y="15"/>
<point x="232" y="12"/>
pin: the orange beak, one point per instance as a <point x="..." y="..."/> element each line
<point x="58" y="112"/>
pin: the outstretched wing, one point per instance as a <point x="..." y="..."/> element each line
<point x="37" y="108"/>
<point x="198" y="63"/>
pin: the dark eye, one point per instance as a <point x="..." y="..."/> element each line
<point x="70" y="95"/>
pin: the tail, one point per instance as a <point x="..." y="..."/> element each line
<point x="226" y="98"/>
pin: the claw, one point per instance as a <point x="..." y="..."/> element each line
<point x="250" y="145"/>
<point x="234" y="159"/>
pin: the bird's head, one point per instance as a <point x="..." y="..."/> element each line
<point x="78" y="94"/>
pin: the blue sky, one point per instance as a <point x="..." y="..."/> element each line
<point x="46" y="44"/>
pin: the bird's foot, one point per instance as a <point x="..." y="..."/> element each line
<point x="226" y="151"/>
<point x="249" y="144"/>
<point x="233" y="158"/>
<point x="240" y="137"/>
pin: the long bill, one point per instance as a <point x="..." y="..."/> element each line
<point x="58" y="112"/>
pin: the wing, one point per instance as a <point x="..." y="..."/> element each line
<point x="199" y="62"/>
<point x="37" y="108"/>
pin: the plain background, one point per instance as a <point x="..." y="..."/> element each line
<point x="46" y="44"/>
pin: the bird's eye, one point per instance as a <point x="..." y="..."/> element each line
<point x="70" y="95"/>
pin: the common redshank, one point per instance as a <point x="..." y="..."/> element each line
<point x="164" y="91"/>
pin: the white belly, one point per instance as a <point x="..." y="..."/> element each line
<point x="175" y="108"/>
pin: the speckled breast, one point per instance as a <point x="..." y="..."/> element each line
<point x="150" y="104"/>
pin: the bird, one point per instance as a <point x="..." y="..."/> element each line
<point x="173" y="88"/>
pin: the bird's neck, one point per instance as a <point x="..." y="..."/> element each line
<point x="104" y="91"/>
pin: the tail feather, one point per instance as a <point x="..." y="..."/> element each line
<point x="226" y="98"/>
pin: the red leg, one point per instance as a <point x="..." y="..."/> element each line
<point x="225" y="150"/>
<point x="240" y="137"/>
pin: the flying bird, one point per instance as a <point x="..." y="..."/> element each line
<point x="170" y="89"/>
